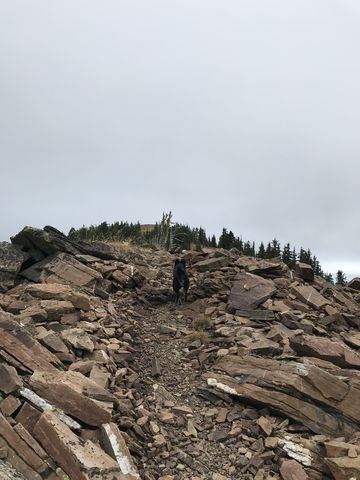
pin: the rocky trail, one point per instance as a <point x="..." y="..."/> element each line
<point x="102" y="377"/>
<point x="170" y="387"/>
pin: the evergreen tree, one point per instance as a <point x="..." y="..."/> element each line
<point x="328" y="277"/>
<point x="340" y="277"/>
<point x="261" y="251"/>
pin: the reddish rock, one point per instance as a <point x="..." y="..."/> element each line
<point x="81" y="461"/>
<point x="249" y="291"/>
<point x="304" y="271"/>
<point x="292" y="470"/>
<point x="69" y="391"/>
<point x="310" y="296"/>
<point x="331" y="350"/>
<point x="9" y="379"/>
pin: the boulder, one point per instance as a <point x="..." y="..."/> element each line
<point x="310" y="296"/>
<point x="62" y="268"/>
<point x="304" y="383"/>
<point x="273" y="267"/>
<point x="11" y="260"/>
<point x="354" y="283"/>
<point x="304" y="271"/>
<point x="113" y="442"/>
<point x="249" y="291"/>
<point x="102" y="250"/>
<point x="70" y="391"/>
<point x="48" y="241"/>
<point x="211" y="264"/>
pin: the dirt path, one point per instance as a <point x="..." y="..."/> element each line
<point x="191" y="442"/>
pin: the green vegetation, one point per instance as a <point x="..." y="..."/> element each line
<point x="169" y="235"/>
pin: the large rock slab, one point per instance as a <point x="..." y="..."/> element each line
<point x="48" y="241"/>
<point x="58" y="291"/>
<point x="102" y="250"/>
<point x="75" y="394"/>
<point x="11" y="260"/>
<point x="211" y="264"/>
<point x="305" y="382"/>
<point x="80" y="460"/>
<point x="23" y="348"/>
<point x="333" y="351"/>
<point x="21" y="448"/>
<point x="249" y="291"/>
<point x="62" y="268"/>
<point x="354" y="283"/>
<point x="344" y="468"/>
<point x="268" y="268"/>
<point x="315" y="418"/>
<point x="310" y="296"/>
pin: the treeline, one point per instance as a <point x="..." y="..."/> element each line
<point x="169" y="235"/>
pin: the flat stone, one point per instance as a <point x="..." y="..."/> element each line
<point x="249" y="291"/>
<point x="211" y="264"/>
<point x="80" y="460"/>
<point x="68" y="391"/>
<point x="331" y="350"/>
<point x="310" y="296"/>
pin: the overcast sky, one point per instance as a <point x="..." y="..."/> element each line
<point x="233" y="113"/>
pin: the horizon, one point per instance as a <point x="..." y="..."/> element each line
<point x="241" y="114"/>
<point x="350" y="269"/>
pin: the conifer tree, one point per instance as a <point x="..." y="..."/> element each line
<point x="340" y="277"/>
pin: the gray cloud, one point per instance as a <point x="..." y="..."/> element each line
<point x="241" y="113"/>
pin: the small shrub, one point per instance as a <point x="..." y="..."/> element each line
<point x="200" y="336"/>
<point x="201" y="322"/>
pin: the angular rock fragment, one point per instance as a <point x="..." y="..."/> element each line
<point x="81" y="461"/>
<point x="11" y="260"/>
<point x="304" y="271"/>
<point x="249" y="291"/>
<point x="78" y="338"/>
<point x="331" y="350"/>
<point x="310" y="296"/>
<point x="9" y="379"/>
<point x="211" y="264"/>
<point x="114" y="445"/>
<point x="68" y="391"/>
<point x="17" y="343"/>
<point x="292" y="470"/>
<point x="62" y="268"/>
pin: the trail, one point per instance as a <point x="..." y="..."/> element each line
<point x="193" y="448"/>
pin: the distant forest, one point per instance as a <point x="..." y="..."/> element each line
<point x="169" y="235"/>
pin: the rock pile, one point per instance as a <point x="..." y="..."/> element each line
<point x="267" y="386"/>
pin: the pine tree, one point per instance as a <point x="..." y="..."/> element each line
<point x="261" y="250"/>
<point x="328" y="277"/>
<point x="340" y="277"/>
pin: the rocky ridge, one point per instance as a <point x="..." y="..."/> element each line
<point x="257" y="377"/>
